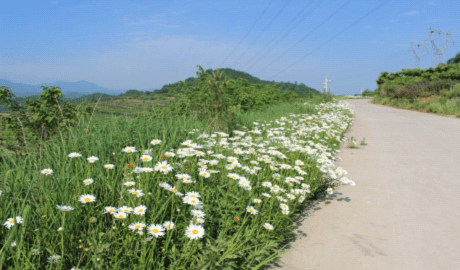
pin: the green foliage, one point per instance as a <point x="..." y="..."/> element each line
<point x="301" y="89"/>
<point x="40" y="119"/>
<point x="218" y="101"/>
<point x="454" y="60"/>
<point x="389" y="83"/>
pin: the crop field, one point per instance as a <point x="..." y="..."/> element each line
<point x="152" y="192"/>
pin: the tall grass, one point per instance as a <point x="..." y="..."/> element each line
<point x="88" y="238"/>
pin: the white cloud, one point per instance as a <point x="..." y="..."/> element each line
<point x="410" y="13"/>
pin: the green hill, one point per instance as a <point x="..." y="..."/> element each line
<point x="301" y="89"/>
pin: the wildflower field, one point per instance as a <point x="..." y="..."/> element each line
<point x="153" y="192"/>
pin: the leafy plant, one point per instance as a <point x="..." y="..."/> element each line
<point x="41" y="118"/>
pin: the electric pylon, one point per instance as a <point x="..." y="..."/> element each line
<point x="418" y="57"/>
<point x="439" y="51"/>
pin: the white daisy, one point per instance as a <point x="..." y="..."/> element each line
<point x="92" y="159"/>
<point x="140" y="210"/>
<point x="194" y="231"/>
<point x="268" y="226"/>
<point x="156" y="230"/>
<point x="88" y="182"/>
<point x="109" y="166"/>
<point x="169" y="225"/>
<point x="86" y="198"/>
<point x="46" y="171"/>
<point x="74" y="154"/>
<point x="251" y="210"/>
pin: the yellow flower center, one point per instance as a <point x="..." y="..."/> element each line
<point x="129" y="150"/>
<point x="250" y="210"/>
<point x="146" y="158"/>
<point x="12" y="221"/>
<point x="111" y="211"/>
<point x="120" y="216"/>
<point x="137" y="226"/>
<point x="155" y="231"/>
<point x="135" y="192"/>
<point x="195" y="231"/>
<point x="174" y="190"/>
<point x="87" y="199"/>
<point x="164" y="167"/>
<point x="141" y="210"/>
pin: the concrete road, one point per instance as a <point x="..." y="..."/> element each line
<point x="403" y="213"/>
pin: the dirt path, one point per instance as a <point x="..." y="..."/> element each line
<point x="403" y="213"/>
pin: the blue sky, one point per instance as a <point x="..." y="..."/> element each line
<point x="144" y="45"/>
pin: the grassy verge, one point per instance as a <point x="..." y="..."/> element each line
<point x="156" y="192"/>
<point x="447" y="102"/>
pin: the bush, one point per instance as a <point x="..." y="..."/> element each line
<point x="40" y="120"/>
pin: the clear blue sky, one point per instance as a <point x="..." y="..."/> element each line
<point x="146" y="44"/>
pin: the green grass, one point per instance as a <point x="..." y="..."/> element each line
<point x="447" y="102"/>
<point x="233" y="238"/>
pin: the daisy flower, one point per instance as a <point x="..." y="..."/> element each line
<point x="155" y="142"/>
<point x="191" y="201"/>
<point x="88" y="182"/>
<point x="47" y="171"/>
<point x="35" y="251"/>
<point x="125" y="209"/>
<point x="351" y="182"/>
<point x="284" y="206"/>
<point x="13" y="244"/>
<point x="74" y="154"/>
<point x="129" y="149"/>
<point x="110" y="210"/>
<point x="170" y="154"/>
<point x="266" y="195"/>
<point x="257" y="200"/>
<point x="53" y="259"/>
<point x="194" y="231"/>
<point x="146" y="158"/>
<point x="169" y="225"/>
<point x="120" y="215"/>
<point x="87" y="198"/>
<point x="329" y="191"/>
<point x="233" y="176"/>
<point x="156" y="230"/>
<point x="65" y="208"/>
<point x="198" y="213"/>
<point x="140" y="210"/>
<point x="183" y="176"/>
<point x="92" y="159"/>
<point x="229" y="167"/>
<point x="137" y="226"/>
<point x="267" y="184"/>
<point x="285" y="212"/>
<point x="193" y="194"/>
<point x="109" y="166"/>
<point x="344" y="180"/>
<point x="299" y="163"/>
<point x="251" y="210"/>
<point x="268" y="226"/>
<point x="205" y="174"/>
<point x="129" y="184"/>
<point x="147" y="169"/>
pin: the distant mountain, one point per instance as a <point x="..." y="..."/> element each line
<point x="69" y="89"/>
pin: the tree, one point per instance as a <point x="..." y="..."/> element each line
<point x="454" y="60"/>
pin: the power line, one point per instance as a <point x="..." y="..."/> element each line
<point x="290" y="30"/>
<point x="269" y="4"/>
<point x="328" y="18"/>
<point x="268" y="25"/>
<point x="341" y="32"/>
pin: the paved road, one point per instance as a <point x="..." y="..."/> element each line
<point x="404" y="212"/>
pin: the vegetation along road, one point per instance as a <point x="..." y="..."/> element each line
<point x="403" y="212"/>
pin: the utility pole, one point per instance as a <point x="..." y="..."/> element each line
<point x="325" y="88"/>
<point x="439" y="51"/>
<point x="361" y="92"/>
<point x="418" y="57"/>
